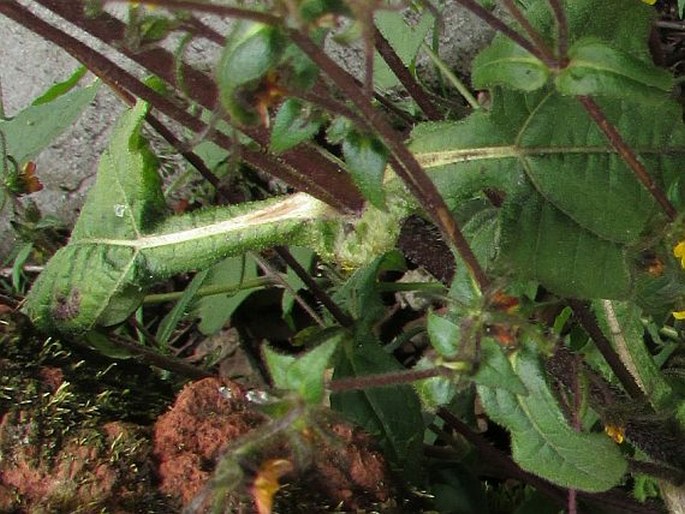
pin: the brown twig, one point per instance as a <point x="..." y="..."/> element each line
<point x="533" y="34"/>
<point x="155" y="358"/>
<point x="562" y="31"/>
<point x="221" y="10"/>
<point x="300" y="164"/>
<point x="589" y="323"/>
<point x="503" y="28"/>
<point x="628" y="155"/>
<point x="392" y="379"/>
<point x="343" y="319"/>
<point x="405" y="77"/>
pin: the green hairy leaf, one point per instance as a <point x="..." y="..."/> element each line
<point x="542" y="441"/>
<point x="39" y="124"/>
<point x="366" y="158"/>
<point x="597" y="69"/>
<point x="392" y="414"/>
<point x="244" y="64"/>
<point x="506" y="64"/>
<point x="303" y="374"/>
<point x="119" y="246"/>
<point x="495" y="371"/>
<point x="403" y="38"/>
<point x="445" y="335"/>
<point x="609" y="54"/>
<point x="560" y="181"/>
<point x="294" y="124"/>
<point x="61" y="88"/>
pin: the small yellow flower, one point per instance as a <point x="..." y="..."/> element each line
<point x="615" y="432"/>
<point x="679" y="314"/>
<point x="650" y="2"/>
<point x="679" y="252"/>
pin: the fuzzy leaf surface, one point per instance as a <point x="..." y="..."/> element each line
<point x="393" y="414"/>
<point x="303" y="374"/>
<point x="35" y="127"/>
<point x="542" y="441"/>
<point x="597" y="69"/>
<point x="124" y="239"/>
<point x="572" y="206"/>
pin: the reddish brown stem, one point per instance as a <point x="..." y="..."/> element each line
<point x="562" y="31"/>
<point x="221" y="10"/>
<point x="103" y="67"/>
<point x="386" y="379"/>
<point x="154" y="358"/>
<point x="197" y="28"/>
<point x="405" y="77"/>
<point x="314" y="288"/>
<point x="304" y="164"/>
<point x="587" y="320"/>
<point x="533" y="34"/>
<point x="628" y="155"/>
<point x="504" y="29"/>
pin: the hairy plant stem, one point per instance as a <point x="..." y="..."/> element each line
<point x="392" y="379"/>
<point x="315" y="289"/>
<point x="221" y="10"/>
<point x="589" y="323"/>
<point x="302" y="165"/>
<point x="211" y="290"/>
<point x="500" y="26"/>
<point x="402" y="160"/>
<point x="533" y="34"/>
<point x="268" y="269"/>
<point x="673" y="475"/>
<point x="405" y="77"/>
<point x="155" y="358"/>
<point x="628" y="155"/>
<point x="562" y="31"/>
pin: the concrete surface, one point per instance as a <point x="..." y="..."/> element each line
<point x="28" y="65"/>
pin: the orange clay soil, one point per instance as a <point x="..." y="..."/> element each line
<point x="59" y="455"/>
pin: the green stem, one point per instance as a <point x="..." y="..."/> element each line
<point x="419" y="287"/>
<point x="451" y="77"/>
<point x="212" y="290"/>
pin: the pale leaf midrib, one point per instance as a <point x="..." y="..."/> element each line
<point x="446" y="157"/>
<point x="297" y="207"/>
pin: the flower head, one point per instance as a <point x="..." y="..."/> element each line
<point x="679" y="252"/>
